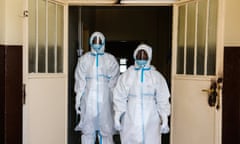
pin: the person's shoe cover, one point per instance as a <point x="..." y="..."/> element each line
<point x="96" y="75"/>
<point x="142" y="94"/>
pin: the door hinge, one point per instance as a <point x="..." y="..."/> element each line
<point x="25" y="13"/>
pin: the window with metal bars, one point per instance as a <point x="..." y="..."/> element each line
<point x="45" y="32"/>
<point x="197" y="36"/>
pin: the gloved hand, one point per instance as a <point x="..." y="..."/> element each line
<point x="164" y="126"/>
<point x="117" y="123"/>
<point x="78" y="127"/>
<point x="77" y="108"/>
<point x="77" y="104"/>
<point x="164" y="129"/>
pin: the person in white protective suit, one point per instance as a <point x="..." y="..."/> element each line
<point x="96" y="75"/>
<point x="141" y="101"/>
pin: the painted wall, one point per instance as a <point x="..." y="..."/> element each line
<point x="2" y="23"/>
<point x="232" y="23"/>
<point x="11" y="26"/>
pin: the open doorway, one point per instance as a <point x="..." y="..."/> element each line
<point x="124" y="28"/>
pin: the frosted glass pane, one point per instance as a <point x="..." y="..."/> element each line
<point x="190" y="38"/>
<point x="212" y="37"/>
<point x="180" y="49"/>
<point x="51" y="36"/>
<point x="41" y="35"/>
<point x="201" y="36"/>
<point x="60" y="38"/>
<point x="32" y="37"/>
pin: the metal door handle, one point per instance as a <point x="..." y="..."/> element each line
<point x="214" y="93"/>
<point x="207" y="90"/>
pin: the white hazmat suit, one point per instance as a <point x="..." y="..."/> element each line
<point x="141" y="103"/>
<point x="95" y="76"/>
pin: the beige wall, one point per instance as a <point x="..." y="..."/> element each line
<point x="232" y="23"/>
<point x="2" y="19"/>
<point x="11" y="26"/>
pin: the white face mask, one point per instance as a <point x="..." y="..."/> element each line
<point x="141" y="63"/>
<point x="97" y="47"/>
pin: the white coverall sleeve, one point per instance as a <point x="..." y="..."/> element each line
<point x="120" y="96"/>
<point x="163" y="105"/>
<point x="114" y="73"/>
<point x="80" y="83"/>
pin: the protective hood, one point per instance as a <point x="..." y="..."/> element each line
<point x="98" y="35"/>
<point x="148" y="49"/>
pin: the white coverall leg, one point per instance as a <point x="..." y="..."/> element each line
<point x="106" y="140"/>
<point x="88" y="139"/>
<point x="91" y="138"/>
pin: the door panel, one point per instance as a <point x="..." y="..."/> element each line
<point x="47" y="113"/>
<point x="196" y="64"/>
<point x="193" y="120"/>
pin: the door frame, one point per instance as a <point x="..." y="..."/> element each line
<point x="219" y="64"/>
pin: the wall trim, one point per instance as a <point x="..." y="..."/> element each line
<point x="9" y="46"/>
<point x="232" y="44"/>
